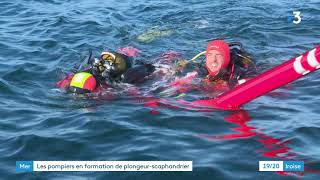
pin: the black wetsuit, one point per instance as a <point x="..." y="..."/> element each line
<point x="137" y="73"/>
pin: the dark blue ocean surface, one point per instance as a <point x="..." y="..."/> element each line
<point x="40" y="40"/>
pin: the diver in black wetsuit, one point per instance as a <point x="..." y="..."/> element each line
<point x="111" y="68"/>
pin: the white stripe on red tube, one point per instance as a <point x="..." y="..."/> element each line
<point x="310" y="59"/>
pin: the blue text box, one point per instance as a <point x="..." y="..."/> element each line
<point x="293" y="166"/>
<point x="24" y="166"/>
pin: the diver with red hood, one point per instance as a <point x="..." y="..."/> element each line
<point x="227" y="61"/>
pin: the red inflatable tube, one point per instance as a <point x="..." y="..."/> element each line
<point x="274" y="78"/>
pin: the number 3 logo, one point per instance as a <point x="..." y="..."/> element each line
<point x="297" y="18"/>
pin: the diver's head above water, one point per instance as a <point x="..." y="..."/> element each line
<point x="109" y="67"/>
<point x="217" y="56"/>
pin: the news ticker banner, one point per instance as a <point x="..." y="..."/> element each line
<point x="281" y="166"/>
<point x="30" y="166"/>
